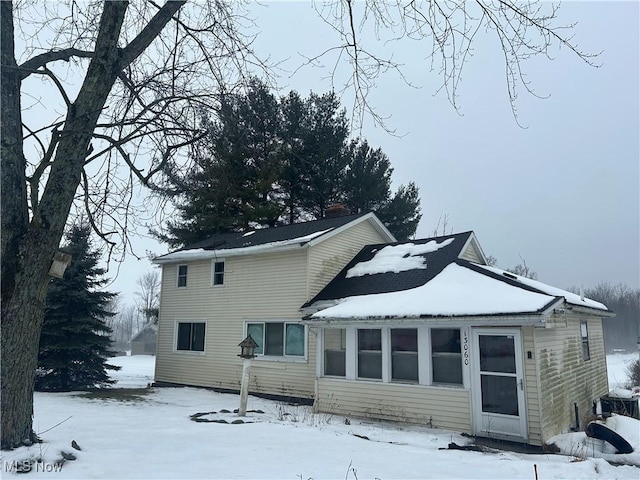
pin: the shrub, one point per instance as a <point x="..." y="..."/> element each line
<point x="633" y="371"/>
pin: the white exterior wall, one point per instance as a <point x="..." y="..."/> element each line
<point x="257" y="287"/>
<point x="422" y="403"/>
<point x="437" y="407"/>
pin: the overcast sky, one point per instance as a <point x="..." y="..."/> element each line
<point x="562" y="193"/>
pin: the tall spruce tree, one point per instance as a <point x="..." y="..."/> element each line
<point x="270" y="161"/>
<point x="75" y="343"/>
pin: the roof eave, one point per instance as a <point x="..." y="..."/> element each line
<point x="232" y="252"/>
<point x="511" y="319"/>
<point x="591" y="311"/>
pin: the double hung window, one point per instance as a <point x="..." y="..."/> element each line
<point x="584" y="333"/>
<point x="370" y="353"/>
<point x="191" y="336"/>
<point x="446" y="356"/>
<point x="335" y="352"/>
<point x="182" y="275"/>
<point x="218" y="273"/>
<point x="404" y="354"/>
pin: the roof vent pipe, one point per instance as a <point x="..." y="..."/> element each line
<point x="581" y="293"/>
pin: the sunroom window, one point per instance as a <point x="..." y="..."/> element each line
<point x="370" y="353"/>
<point x="334" y="352"/>
<point x="404" y="354"/>
<point x="446" y="356"/>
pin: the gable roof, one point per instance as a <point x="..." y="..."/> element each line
<point x="284" y="237"/>
<point x="429" y="278"/>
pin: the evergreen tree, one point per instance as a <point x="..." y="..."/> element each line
<point x="367" y="182"/>
<point x="401" y="214"/>
<point x="270" y="161"/>
<point x="75" y="343"/>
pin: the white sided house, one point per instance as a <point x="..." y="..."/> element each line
<point x="421" y="332"/>
<point x="426" y="332"/>
<point x="218" y="291"/>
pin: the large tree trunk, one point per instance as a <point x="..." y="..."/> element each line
<point x="28" y="245"/>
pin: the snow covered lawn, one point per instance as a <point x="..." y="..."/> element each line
<point x="132" y="432"/>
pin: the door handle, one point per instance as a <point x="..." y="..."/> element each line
<point x="521" y="384"/>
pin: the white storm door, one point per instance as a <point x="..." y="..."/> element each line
<point x="498" y="387"/>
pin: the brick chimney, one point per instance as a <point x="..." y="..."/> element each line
<point x="336" y="210"/>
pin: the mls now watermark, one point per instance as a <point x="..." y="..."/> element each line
<point x="26" y="466"/>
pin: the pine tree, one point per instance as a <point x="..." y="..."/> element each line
<point x="75" y="343"/>
<point x="270" y="161"/>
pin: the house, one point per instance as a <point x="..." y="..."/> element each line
<point x="144" y="342"/>
<point x="422" y="332"/>
<point x="426" y="332"/>
<point x="215" y="292"/>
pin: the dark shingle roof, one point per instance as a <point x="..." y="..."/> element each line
<point x="268" y="235"/>
<point x="341" y="286"/>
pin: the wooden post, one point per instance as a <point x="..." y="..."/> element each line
<point x="244" y="387"/>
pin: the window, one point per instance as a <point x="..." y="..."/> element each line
<point x="182" y="275"/>
<point x="584" y="333"/>
<point x="404" y="354"/>
<point x="370" y="353"/>
<point x="446" y="356"/>
<point x="278" y="338"/>
<point x="218" y="273"/>
<point x="335" y="343"/>
<point x="191" y="336"/>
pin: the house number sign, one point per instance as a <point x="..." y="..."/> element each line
<point x="465" y="346"/>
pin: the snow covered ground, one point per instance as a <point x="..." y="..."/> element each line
<point x="132" y="432"/>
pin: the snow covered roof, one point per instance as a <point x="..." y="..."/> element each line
<point x="429" y="278"/>
<point x="570" y="297"/>
<point x="268" y="239"/>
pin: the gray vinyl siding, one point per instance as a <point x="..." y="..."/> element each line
<point x="564" y="377"/>
<point x="437" y="407"/>
<point x="330" y="256"/>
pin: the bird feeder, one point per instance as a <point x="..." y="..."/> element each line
<point x="247" y="347"/>
<point x="59" y="264"/>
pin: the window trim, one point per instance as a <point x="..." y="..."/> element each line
<point x="214" y="262"/>
<point x="584" y="337"/>
<point x="384" y="369"/>
<point x="425" y="358"/>
<point x="177" y="323"/>
<point x="412" y="353"/>
<point x="284" y="357"/>
<point x="185" y="276"/>
<point x="343" y="349"/>
<point x="432" y="382"/>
